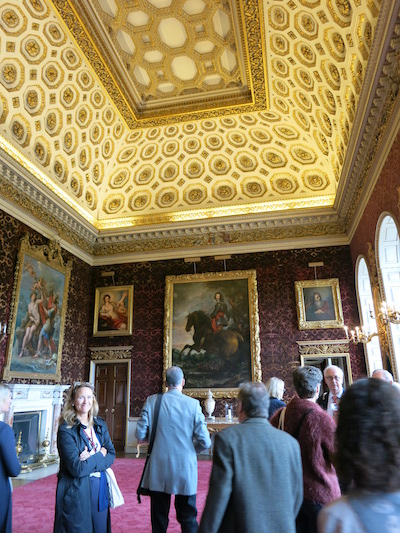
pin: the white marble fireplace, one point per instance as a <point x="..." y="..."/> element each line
<point x="46" y="400"/>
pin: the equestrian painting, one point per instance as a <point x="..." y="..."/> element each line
<point x="211" y="330"/>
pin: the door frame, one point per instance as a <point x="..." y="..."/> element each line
<point x="112" y="355"/>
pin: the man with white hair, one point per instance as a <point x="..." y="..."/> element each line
<point x="384" y="375"/>
<point x="329" y="401"/>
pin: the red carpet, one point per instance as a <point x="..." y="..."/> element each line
<point x="33" y="504"/>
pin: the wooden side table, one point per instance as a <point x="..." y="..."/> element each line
<point x="217" y="425"/>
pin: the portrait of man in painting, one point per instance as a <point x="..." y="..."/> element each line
<point x="319" y="304"/>
<point x="211" y="330"/>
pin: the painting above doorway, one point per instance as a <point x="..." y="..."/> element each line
<point x="318" y="304"/>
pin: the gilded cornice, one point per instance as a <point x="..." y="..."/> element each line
<point x="18" y="190"/>
<point x="379" y="113"/>
<point x="156" y="242"/>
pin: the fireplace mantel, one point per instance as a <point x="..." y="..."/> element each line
<point x="45" y="398"/>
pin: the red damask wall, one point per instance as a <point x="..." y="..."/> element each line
<point x="384" y="198"/>
<point x="74" y="364"/>
<point x="276" y="274"/>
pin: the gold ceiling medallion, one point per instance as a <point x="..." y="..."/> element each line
<point x="167" y="197"/>
<point x="12" y="20"/>
<point x="113" y="204"/>
<point x="237" y="138"/>
<point x="76" y="184"/>
<point x="59" y="168"/>
<point x="193" y="168"/>
<point x="191" y="145"/>
<point x="301" y="119"/>
<point x="119" y="179"/>
<point x="315" y="180"/>
<point x="20" y="130"/>
<point x="224" y="191"/>
<point x="274" y="158"/>
<point x="284" y="183"/>
<point x="306" y="25"/>
<point x="219" y="165"/>
<point x="195" y="194"/>
<point x="170" y="148"/>
<point x="144" y="175"/>
<point x="254" y="187"/>
<point x="91" y="198"/>
<point x="98" y="173"/>
<point x="169" y="171"/>
<point x="72" y="61"/>
<point x="140" y="200"/>
<point x="246" y="162"/>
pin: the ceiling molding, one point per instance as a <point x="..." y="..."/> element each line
<point x="104" y="160"/>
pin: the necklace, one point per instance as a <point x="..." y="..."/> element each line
<point x="91" y="438"/>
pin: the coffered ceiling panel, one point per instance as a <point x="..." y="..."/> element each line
<point x="175" y="125"/>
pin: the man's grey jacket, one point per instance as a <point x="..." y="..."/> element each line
<point x="180" y="433"/>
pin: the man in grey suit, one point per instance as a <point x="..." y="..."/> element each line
<point x="256" y="482"/>
<point x="172" y="466"/>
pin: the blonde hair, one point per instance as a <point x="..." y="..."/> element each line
<point x="275" y="387"/>
<point x="4" y="392"/>
<point x="69" y="413"/>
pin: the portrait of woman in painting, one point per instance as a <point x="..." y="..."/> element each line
<point x="113" y="311"/>
<point x="113" y="315"/>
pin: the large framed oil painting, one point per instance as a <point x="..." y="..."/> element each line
<point x="38" y="311"/>
<point x="318" y="304"/>
<point x="113" y="310"/>
<point x="211" y="331"/>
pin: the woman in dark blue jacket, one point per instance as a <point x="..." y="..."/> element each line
<point x="9" y="464"/>
<point x="86" y="451"/>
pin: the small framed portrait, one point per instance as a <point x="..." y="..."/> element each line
<point x="318" y="304"/>
<point x="113" y="311"/>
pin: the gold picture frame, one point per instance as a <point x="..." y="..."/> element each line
<point x="113" y="311"/>
<point x="214" y="339"/>
<point x="38" y="311"/>
<point x="318" y="304"/>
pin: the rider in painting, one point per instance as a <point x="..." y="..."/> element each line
<point x="219" y="316"/>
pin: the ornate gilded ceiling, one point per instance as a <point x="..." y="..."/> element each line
<point x="170" y="128"/>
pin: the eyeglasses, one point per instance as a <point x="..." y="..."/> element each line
<point x="79" y="385"/>
<point x="331" y="378"/>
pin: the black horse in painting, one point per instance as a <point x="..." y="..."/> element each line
<point x="224" y="343"/>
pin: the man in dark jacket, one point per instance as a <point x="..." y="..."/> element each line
<point x="329" y="401"/>
<point x="255" y="469"/>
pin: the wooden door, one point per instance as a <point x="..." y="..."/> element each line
<point x="111" y="391"/>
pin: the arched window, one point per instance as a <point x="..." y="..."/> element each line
<point x="369" y="325"/>
<point x="389" y="272"/>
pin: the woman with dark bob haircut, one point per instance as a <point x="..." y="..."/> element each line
<point x="367" y="460"/>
